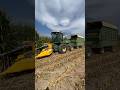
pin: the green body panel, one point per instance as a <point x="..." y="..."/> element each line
<point x="108" y="37"/>
<point x="101" y="37"/>
<point x="56" y="47"/>
<point x="77" y="42"/>
<point x="66" y="41"/>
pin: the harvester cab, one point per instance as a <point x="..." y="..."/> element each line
<point x="57" y="37"/>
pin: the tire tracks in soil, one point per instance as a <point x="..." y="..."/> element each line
<point x="67" y="62"/>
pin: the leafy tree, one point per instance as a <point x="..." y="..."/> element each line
<point x="13" y="35"/>
<point x="4" y="28"/>
<point x="42" y="40"/>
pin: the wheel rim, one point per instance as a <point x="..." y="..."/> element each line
<point x="64" y="49"/>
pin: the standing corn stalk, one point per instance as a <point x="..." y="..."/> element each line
<point x="4" y="25"/>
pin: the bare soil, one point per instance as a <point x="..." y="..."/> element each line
<point x="70" y="71"/>
<point x="103" y="71"/>
<point x="18" y="82"/>
<point x="56" y="72"/>
<point x="61" y="71"/>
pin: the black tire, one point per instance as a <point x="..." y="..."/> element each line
<point x="102" y="50"/>
<point x="75" y="47"/>
<point x="62" y="48"/>
<point x="88" y="52"/>
<point x="69" y="47"/>
<point x="80" y="46"/>
<point x="113" y="49"/>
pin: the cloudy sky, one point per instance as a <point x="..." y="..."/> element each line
<point x="107" y="10"/>
<point x="60" y="15"/>
<point x="64" y="16"/>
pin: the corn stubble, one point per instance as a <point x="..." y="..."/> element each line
<point x="61" y="72"/>
<point x="103" y="71"/>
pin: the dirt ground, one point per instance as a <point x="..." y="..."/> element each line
<point x="103" y="71"/>
<point x="18" y="82"/>
<point x="56" y="72"/>
<point x="70" y="71"/>
<point x="61" y="71"/>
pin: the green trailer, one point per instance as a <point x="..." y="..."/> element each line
<point x="100" y="35"/>
<point x="77" y="41"/>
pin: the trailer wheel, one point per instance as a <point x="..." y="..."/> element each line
<point x="62" y="49"/>
<point x="102" y="50"/>
<point x="113" y="49"/>
<point x="88" y="52"/>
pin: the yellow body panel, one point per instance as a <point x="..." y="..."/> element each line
<point x="22" y="65"/>
<point x="27" y="63"/>
<point x="45" y="52"/>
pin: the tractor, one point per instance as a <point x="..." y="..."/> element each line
<point x="60" y="44"/>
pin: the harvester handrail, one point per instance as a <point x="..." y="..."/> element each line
<point x="8" y="58"/>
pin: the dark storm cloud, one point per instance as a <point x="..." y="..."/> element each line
<point x="21" y="11"/>
<point x="107" y="10"/>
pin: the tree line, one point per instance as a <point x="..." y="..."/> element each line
<point x="13" y="35"/>
<point x="40" y="40"/>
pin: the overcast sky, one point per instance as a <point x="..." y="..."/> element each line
<point x="60" y="15"/>
<point x="66" y="15"/>
<point x="107" y="10"/>
<point x="19" y="11"/>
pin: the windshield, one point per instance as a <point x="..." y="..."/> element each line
<point x="57" y="37"/>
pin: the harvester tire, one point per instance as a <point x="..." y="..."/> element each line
<point x="70" y="48"/>
<point x="62" y="49"/>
